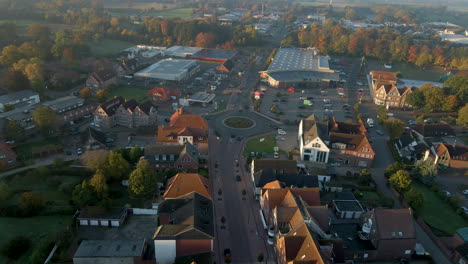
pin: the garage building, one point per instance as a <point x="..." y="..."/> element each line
<point x="99" y="216"/>
<point x="170" y="70"/>
<point x="111" y="251"/>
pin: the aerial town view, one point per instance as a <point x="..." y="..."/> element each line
<point x="233" y="131"/>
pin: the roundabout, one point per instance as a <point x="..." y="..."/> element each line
<point x="238" y="122"/>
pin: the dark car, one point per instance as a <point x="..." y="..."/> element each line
<point x="227" y="252"/>
<point x="238" y="178"/>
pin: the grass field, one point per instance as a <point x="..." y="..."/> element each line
<point x="437" y="213"/>
<point x="38" y="229"/>
<point x="409" y="71"/>
<point x="255" y="145"/>
<point x="24" y="151"/>
<point x="129" y="92"/>
<point x="168" y="13"/>
<point x="108" y="47"/>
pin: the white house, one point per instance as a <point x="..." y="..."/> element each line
<point x="313" y="140"/>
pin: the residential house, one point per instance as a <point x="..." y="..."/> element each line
<point x="313" y="140"/>
<point x="389" y="95"/>
<point x="126" y="67"/>
<point x="96" y="139"/>
<point x="184" y="127"/>
<point x="19" y="99"/>
<point x="7" y="156"/>
<point x="186" y="227"/>
<point x="452" y="156"/>
<point x="110" y="251"/>
<point x="440" y="129"/>
<point x="184" y="183"/>
<point x="263" y="171"/>
<point x="410" y="148"/>
<point x="71" y="108"/>
<point x="101" y="79"/>
<point x="351" y="150"/>
<point x="379" y="78"/>
<point x="390" y="231"/>
<point x="120" y="112"/>
<point x="180" y="157"/>
<point x="225" y="67"/>
<point x="162" y="94"/>
<point x="460" y="246"/>
<point x="99" y="216"/>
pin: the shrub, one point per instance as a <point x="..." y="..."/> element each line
<point x="32" y="203"/>
<point x="16" y="247"/>
<point x="435" y="188"/>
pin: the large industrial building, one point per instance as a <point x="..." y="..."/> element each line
<point x="213" y="55"/>
<point x="170" y="70"/>
<point x="298" y="67"/>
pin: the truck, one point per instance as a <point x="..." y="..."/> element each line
<point x="370" y="122"/>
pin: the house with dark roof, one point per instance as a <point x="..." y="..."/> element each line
<point x="126" y="67"/>
<point x="263" y="171"/>
<point x="101" y="79"/>
<point x="460" y="246"/>
<point x="110" y="251"/>
<point x="313" y="140"/>
<point x="180" y="157"/>
<point x="163" y="94"/>
<point x="347" y="207"/>
<point x="184" y="183"/>
<point x="410" y="148"/>
<point x="184" y="127"/>
<point x="7" y="156"/>
<point x="120" y="112"/>
<point x="452" y="156"/>
<point x="351" y="150"/>
<point x="71" y="108"/>
<point x="390" y="231"/>
<point x="225" y="67"/>
<point x="96" y="139"/>
<point x="440" y="129"/>
<point x="186" y="227"/>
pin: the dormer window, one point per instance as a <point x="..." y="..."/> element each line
<point x="170" y="137"/>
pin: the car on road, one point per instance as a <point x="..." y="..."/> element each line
<point x="326" y="101"/>
<point x="465" y="210"/>
<point x="336" y="164"/>
<point x="465" y="192"/>
<point x="301" y="107"/>
<point x="390" y="114"/>
<point x="346" y="106"/>
<point x="238" y="178"/>
<point x="327" y="105"/>
<point x="446" y="193"/>
<point x="281" y="132"/>
<point x="329" y="110"/>
<point x="280" y="138"/>
<point x="302" y="98"/>
<point x="276" y="155"/>
<point x="379" y="132"/>
<point x="359" y="83"/>
<point x="227" y="252"/>
<point x="79" y="151"/>
<point x="237" y="163"/>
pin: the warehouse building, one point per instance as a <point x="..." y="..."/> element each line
<point x="213" y="55"/>
<point x="181" y="51"/>
<point x="299" y="67"/>
<point x="170" y="70"/>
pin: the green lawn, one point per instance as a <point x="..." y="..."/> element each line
<point x="221" y="106"/>
<point x="437" y="213"/>
<point x="410" y="71"/>
<point x="267" y="145"/>
<point x="129" y="92"/>
<point x="178" y="12"/>
<point x="108" y="47"/>
<point x="38" y="229"/>
<point x="24" y="151"/>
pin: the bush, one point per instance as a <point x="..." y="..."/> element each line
<point x="32" y="203"/>
<point x="16" y="247"/>
<point x="435" y="188"/>
<point x="40" y="254"/>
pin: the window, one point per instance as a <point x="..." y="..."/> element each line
<point x="179" y="166"/>
<point x="307" y="151"/>
<point x="200" y="138"/>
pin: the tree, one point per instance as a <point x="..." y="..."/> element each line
<point x="5" y="192"/>
<point x="45" y="119"/>
<point x="382" y="114"/>
<point x="98" y="181"/>
<point x="432" y="96"/>
<point x="205" y="40"/>
<point x="142" y="181"/>
<point x="450" y="103"/>
<point x="400" y="180"/>
<point x="10" y="55"/>
<point x="118" y="166"/>
<point x="135" y="154"/>
<point x="426" y="170"/>
<point x="84" y="194"/>
<point x="95" y="159"/>
<point x="16" y="247"/>
<point x="260" y="257"/>
<point x="85" y="93"/>
<point x="462" y="119"/>
<point x="414" y="198"/>
<point x="14" y="131"/>
<point x="365" y="177"/>
<point x="15" y="80"/>
<point x="395" y="127"/>
<point x="416" y="99"/>
<point x="351" y="14"/>
<point x="102" y="95"/>
<point x="8" y="107"/>
<point x="458" y="86"/>
<point x="31" y="202"/>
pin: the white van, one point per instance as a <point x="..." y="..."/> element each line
<point x="370" y="122"/>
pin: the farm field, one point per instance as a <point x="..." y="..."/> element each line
<point x="108" y="47"/>
<point x="22" y="25"/>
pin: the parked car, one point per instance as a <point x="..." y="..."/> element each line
<point x="87" y="116"/>
<point x="238" y="178"/>
<point x="79" y="151"/>
<point x="446" y="193"/>
<point x="336" y="164"/>
<point x="281" y="132"/>
<point x="465" y="210"/>
<point x="302" y="98"/>
<point x="359" y="83"/>
<point x="346" y="106"/>
<point x="276" y="155"/>
<point x="280" y="138"/>
<point x="390" y="114"/>
<point x="379" y="132"/>
<point x="465" y="192"/>
<point x="227" y="252"/>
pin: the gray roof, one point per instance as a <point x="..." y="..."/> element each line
<point x="296" y="76"/>
<point x="64" y="103"/>
<point x="95" y="212"/>
<point x="168" y="66"/>
<point x="348" y="205"/>
<point x="217" y="54"/>
<point x="19" y="114"/>
<point x="294" y="59"/>
<point x="7" y="98"/>
<point x="191" y="215"/>
<point x="174" y="151"/>
<point x="110" y="248"/>
<point x="312" y="128"/>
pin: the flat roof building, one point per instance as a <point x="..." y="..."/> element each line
<point x="170" y="70"/>
<point x="181" y="51"/>
<point x="110" y="251"/>
<point x="294" y="66"/>
<point x="214" y="55"/>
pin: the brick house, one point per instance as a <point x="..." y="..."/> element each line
<point x="101" y="79"/>
<point x="390" y="96"/>
<point x="184" y="127"/>
<point x="440" y="129"/>
<point x="460" y="246"/>
<point x="71" y="108"/>
<point x="185" y="183"/>
<point x="120" y="112"/>
<point x="380" y="78"/>
<point x="181" y="157"/>
<point x="126" y="67"/>
<point x="351" y="150"/>
<point x="226" y="67"/>
<point x="163" y="94"/>
<point x="7" y="156"/>
<point x="186" y="227"/>
<point x="391" y="232"/>
<point x="452" y="156"/>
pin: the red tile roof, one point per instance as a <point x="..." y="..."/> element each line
<point x="185" y="183"/>
<point x="381" y="75"/>
<point x="164" y="93"/>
